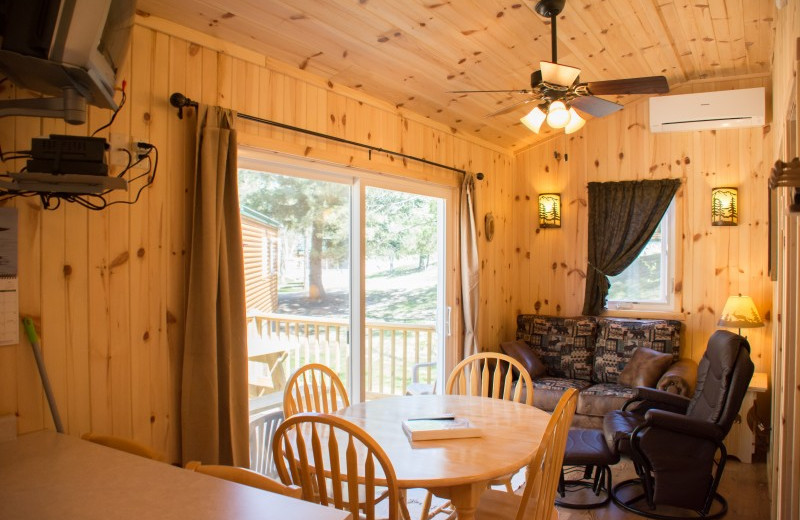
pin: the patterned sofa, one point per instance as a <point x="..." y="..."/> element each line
<point x="591" y="353"/>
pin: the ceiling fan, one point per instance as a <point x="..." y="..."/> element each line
<point x="558" y="90"/>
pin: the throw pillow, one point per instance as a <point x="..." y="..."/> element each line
<point x="645" y="367"/>
<point x="520" y="351"/>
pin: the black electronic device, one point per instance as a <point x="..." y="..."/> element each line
<point x="47" y="45"/>
<point x="68" y="154"/>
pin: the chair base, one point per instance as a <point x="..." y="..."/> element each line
<point x="661" y="512"/>
<point x="590" y="493"/>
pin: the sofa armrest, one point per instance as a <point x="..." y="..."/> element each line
<point x="680" y="378"/>
<point x="650" y="398"/>
<point x="681" y="424"/>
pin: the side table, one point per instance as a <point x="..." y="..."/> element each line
<point x="741" y="440"/>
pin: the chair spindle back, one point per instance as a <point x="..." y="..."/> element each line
<point x="314" y="388"/>
<point x="336" y="463"/>
<point x="491" y="374"/>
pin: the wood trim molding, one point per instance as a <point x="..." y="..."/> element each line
<point x="178" y="31"/>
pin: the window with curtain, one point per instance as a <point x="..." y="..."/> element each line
<point x="623" y="219"/>
<point x="648" y="283"/>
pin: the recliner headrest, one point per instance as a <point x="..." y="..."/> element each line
<point x="715" y="375"/>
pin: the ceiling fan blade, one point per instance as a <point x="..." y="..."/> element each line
<point x="516" y="91"/>
<point x="508" y="108"/>
<point x="595" y="106"/>
<point x="557" y="74"/>
<point x="645" y="85"/>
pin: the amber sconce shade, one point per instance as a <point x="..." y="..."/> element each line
<point x="724" y="207"/>
<point x="550" y="210"/>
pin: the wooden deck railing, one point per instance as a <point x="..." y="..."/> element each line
<point x="392" y="349"/>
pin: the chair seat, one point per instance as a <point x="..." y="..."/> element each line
<point x="500" y="505"/>
<point x="617" y="427"/>
<point x="588" y="448"/>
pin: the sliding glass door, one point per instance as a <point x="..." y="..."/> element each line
<point x="404" y="288"/>
<point x="296" y="240"/>
<point x="343" y="269"/>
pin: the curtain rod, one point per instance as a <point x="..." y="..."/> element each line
<point x="180" y="101"/>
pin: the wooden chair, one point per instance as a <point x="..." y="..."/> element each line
<point x="122" y="444"/>
<point x="314" y="388"/>
<point x="262" y="431"/>
<point x="488" y="374"/>
<point x="491" y="374"/>
<point x="544" y="471"/>
<point x="337" y="464"/>
<point x="246" y="477"/>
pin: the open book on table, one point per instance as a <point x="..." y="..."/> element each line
<point x="445" y="426"/>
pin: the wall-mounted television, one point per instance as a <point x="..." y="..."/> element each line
<point x="49" y="45"/>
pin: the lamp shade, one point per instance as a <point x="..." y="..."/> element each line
<point x="534" y="120"/>
<point x="576" y="122"/>
<point x="558" y="73"/>
<point x="550" y="210"/>
<point x="557" y="115"/>
<point x="739" y="313"/>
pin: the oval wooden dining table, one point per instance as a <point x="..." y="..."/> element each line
<point x="456" y="469"/>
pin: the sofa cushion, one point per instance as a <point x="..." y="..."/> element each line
<point x="520" y="351"/>
<point x="645" y="367"/>
<point x="618" y="338"/>
<point x="601" y="398"/>
<point x="564" y="345"/>
<point x="547" y="391"/>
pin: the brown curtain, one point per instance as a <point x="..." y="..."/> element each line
<point x="470" y="266"/>
<point x="622" y="218"/>
<point x="214" y="413"/>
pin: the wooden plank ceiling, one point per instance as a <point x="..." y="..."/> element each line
<point x="412" y="52"/>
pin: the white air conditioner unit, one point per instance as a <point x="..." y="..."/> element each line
<point x="707" y="110"/>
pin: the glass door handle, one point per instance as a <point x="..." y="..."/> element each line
<point x="448" y="310"/>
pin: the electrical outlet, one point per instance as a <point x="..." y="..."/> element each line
<point x="137" y="151"/>
<point x="118" y="142"/>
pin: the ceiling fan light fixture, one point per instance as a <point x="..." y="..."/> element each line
<point x="558" y="74"/>
<point x="534" y="120"/>
<point x="576" y="122"/>
<point x="557" y="115"/>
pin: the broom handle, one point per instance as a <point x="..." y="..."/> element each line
<point x="30" y="330"/>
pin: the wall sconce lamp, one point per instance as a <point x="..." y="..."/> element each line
<point x="740" y="312"/>
<point x="557" y="114"/>
<point x="549" y="210"/>
<point x="724" y="207"/>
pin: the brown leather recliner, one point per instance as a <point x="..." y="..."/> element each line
<point x="674" y="442"/>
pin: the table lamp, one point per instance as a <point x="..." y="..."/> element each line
<point x="740" y="312"/>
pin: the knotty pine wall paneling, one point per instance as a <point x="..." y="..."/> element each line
<point x="784" y="455"/>
<point x="106" y="288"/>
<point x="714" y="262"/>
